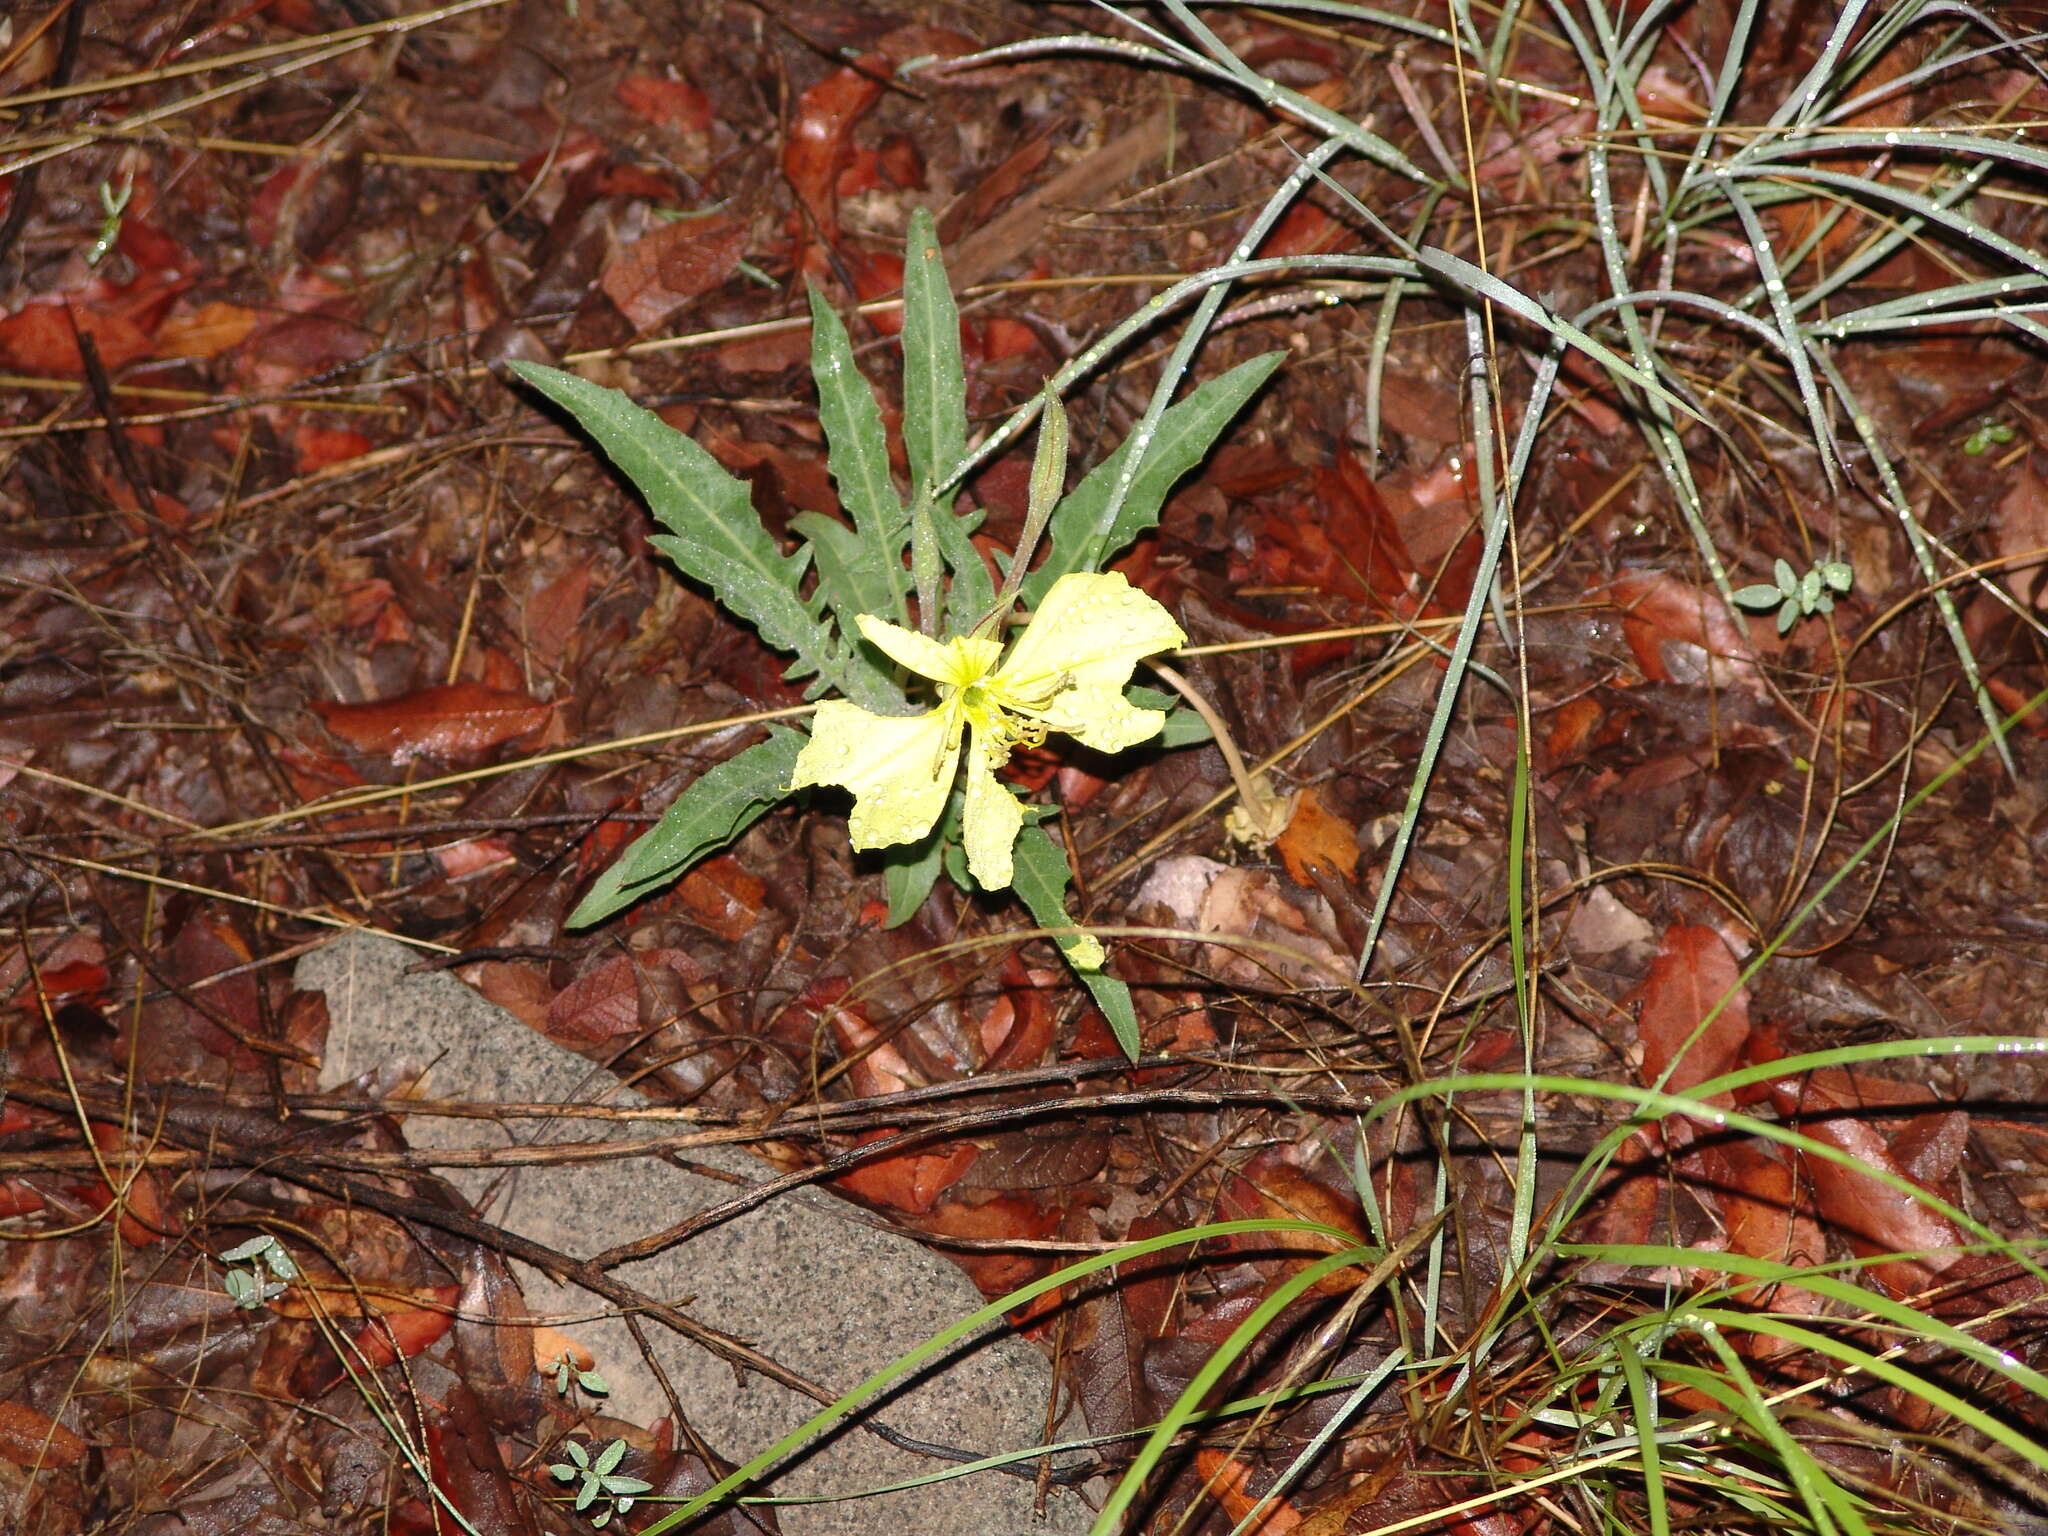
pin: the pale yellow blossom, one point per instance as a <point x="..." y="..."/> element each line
<point x="1067" y="672"/>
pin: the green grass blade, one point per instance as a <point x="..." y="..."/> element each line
<point x="946" y="1338"/>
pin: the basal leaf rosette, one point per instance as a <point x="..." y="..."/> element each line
<point x="1067" y="673"/>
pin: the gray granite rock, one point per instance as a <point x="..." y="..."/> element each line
<point x="823" y="1294"/>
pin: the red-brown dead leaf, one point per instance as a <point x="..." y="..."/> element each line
<point x="1572" y="725"/>
<point x="320" y="447"/>
<point x="145" y="1215"/>
<point x="1017" y="1030"/>
<point x="473" y="856"/>
<point x="29" y="1438"/>
<point x="1680" y="633"/>
<point x="395" y="1336"/>
<point x="551" y="1344"/>
<point x="672" y="266"/>
<point x="1305" y="230"/>
<point x="1765" y="1218"/>
<point x="908" y="1181"/>
<point x="1273" y="1186"/>
<point x="451" y="722"/>
<point x="998" y="1216"/>
<point x="2020" y="527"/>
<point x="604" y="1002"/>
<point x="42" y="337"/>
<point x="666" y="103"/>
<point x="1692" y="973"/>
<point x="876" y="1065"/>
<point x="1317" y="839"/>
<point x="551" y="614"/>
<point x="819" y="145"/>
<point x="1230" y="1480"/>
<point x="1343" y="542"/>
<point x="207" y="331"/>
<point x="723" y="897"/>
<point x="1876" y="1217"/>
<point x="875" y="275"/>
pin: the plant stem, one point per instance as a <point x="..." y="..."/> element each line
<point x="1268" y="813"/>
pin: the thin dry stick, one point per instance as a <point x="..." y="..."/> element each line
<point x="367" y="33"/>
<point x="302" y="914"/>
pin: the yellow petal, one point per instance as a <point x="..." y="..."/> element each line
<point x="899" y="767"/>
<point x="991" y="818"/>
<point x="1087" y="635"/>
<point x="1083" y="950"/>
<point x="960" y="662"/>
<point x="1100" y="717"/>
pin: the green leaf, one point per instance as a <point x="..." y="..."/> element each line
<point x="859" y="456"/>
<point x="934" y="380"/>
<point x="1041" y="880"/>
<point x="1759" y="595"/>
<point x="1183" y="728"/>
<point x="973" y="592"/>
<point x="609" y="1458"/>
<point x="715" y="534"/>
<point x="849" y="577"/>
<point x="1187" y="431"/>
<point x="910" y="875"/>
<point x="713" y="811"/>
<point x="935" y="434"/>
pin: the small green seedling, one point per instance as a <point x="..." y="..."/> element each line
<point x="891" y="616"/>
<point x="568" y="1374"/>
<point x="1798" y="597"/>
<point x="248" y="1288"/>
<point x="599" y="1480"/>
<point x="1990" y="433"/>
<point x="113" y="204"/>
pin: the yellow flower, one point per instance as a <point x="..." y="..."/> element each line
<point x="1066" y="672"/>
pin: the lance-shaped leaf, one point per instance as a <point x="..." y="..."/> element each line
<point x="934" y="377"/>
<point x="862" y="568"/>
<point x="714" y="533"/>
<point x="1186" y="432"/>
<point x="1041" y="879"/>
<point x="935" y="433"/>
<point x="721" y="805"/>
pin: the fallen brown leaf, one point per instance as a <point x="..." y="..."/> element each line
<point x="451" y="722"/>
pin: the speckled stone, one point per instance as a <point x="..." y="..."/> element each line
<point x="825" y="1295"/>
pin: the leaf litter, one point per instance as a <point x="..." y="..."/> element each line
<point x="312" y="622"/>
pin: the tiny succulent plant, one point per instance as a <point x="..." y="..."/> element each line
<point x="1987" y="434"/>
<point x="1798" y="597"/>
<point x="568" y="1374"/>
<point x="601" y="1491"/>
<point x="270" y="1271"/>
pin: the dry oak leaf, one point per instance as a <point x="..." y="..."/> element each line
<point x="1316" y="838"/>
<point x="32" y="1439"/>
<point x="1693" y="973"/>
<point x="665" y="103"/>
<point x="453" y="721"/>
<point x="669" y="267"/>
